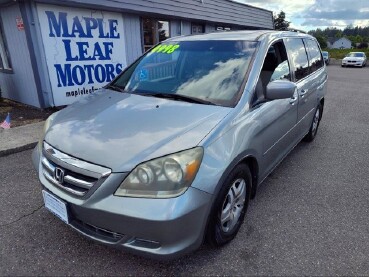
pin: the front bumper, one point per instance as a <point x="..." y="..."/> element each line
<point x="158" y="228"/>
<point x="352" y="63"/>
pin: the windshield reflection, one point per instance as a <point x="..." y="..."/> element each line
<point x="208" y="70"/>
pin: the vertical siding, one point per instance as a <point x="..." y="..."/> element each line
<point x="132" y="34"/>
<point x="39" y="51"/>
<point x="175" y="28"/>
<point x="215" y="11"/>
<point x="186" y="28"/>
<point x="19" y="85"/>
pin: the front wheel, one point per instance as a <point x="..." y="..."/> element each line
<point x="230" y="207"/>
<point x="314" y="124"/>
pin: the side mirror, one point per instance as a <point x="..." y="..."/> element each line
<point x="280" y="89"/>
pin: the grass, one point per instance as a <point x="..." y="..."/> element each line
<point x="341" y="53"/>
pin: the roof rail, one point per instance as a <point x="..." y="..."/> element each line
<point x="296" y="30"/>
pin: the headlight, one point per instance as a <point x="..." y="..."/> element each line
<point x="163" y="177"/>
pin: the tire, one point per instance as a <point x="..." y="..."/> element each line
<point x="314" y="124"/>
<point x="223" y="226"/>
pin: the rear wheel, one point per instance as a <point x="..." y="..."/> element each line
<point x="230" y="206"/>
<point x="314" y="124"/>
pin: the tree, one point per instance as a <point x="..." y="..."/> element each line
<point x="322" y="41"/>
<point x="363" y="45"/>
<point x="280" y="22"/>
<point x="339" y="34"/>
<point x="358" y="39"/>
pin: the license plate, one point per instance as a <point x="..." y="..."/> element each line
<point x="56" y="206"/>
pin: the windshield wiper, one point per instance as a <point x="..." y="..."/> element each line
<point x="116" y="88"/>
<point x="180" y="97"/>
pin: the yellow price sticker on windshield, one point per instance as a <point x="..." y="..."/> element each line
<point x="165" y="48"/>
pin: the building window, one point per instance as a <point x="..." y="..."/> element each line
<point x="154" y="31"/>
<point x="198" y="29"/>
<point x="5" y="64"/>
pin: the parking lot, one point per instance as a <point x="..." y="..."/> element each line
<point x="310" y="217"/>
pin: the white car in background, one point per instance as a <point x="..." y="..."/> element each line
<point x="354" y="59"/>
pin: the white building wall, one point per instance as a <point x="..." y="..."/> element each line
<point x="342" y="43"/>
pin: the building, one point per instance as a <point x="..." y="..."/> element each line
<point x="342" y="43"/>
<point x="54" y="52"/>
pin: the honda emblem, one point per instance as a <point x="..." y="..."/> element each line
<point x="59" y="175"/>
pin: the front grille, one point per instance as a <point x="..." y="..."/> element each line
<point x="72" y="182"/>
<point x="70" y="174"/>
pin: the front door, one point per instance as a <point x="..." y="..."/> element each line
<point x="276" y="118"/>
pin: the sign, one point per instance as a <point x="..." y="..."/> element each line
<point x="19" y="22"/>
<point x="84" y="49"/>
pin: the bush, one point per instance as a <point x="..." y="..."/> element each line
<point x="363" y="45"/>
<point x="341" y="53"/>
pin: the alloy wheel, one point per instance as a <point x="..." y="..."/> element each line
<point x="316" y="121"/>
<point x="233" y="205"/>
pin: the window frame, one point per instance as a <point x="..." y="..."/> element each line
<point x="306" y="42"/>
<point x="196" y="24"/>
<point x="292" y="65"/>
<point x="4" y="41"/>
<point x="275" y="41"/>
<point x="156" y="37"/>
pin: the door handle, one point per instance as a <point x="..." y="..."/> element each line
<point x="303" y="92"/>
<point x="294" y="98"/>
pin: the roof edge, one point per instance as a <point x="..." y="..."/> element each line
<point x="248" y="5"/>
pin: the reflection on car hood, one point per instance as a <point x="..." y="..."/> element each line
<point x="120" y="130"/>
<point x="353" y="58"/>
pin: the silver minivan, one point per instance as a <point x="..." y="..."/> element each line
<point x="170" y="153"/>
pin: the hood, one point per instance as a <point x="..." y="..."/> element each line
<point x="121" y="130"/>
<point x="353" y="59"/>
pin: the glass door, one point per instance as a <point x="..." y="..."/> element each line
<point x="154" y="31"/>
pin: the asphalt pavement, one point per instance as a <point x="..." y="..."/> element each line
<point x="310" y="217"/>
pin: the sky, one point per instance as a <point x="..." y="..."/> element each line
<point x="311" y="14"/>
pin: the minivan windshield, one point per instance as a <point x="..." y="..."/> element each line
<point x="325" y="54"/>
<point x="208" y="72"/>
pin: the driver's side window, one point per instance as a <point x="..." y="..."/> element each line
<point x="275" y="67"/>
<point x="281" y="72"/>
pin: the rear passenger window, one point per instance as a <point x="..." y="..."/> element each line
<point x="315" y="57"/>
<point x="299" y="59"/>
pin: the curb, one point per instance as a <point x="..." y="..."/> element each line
<point x="14" y="150"/>
<point x="20" y="138"/>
